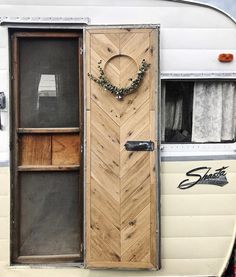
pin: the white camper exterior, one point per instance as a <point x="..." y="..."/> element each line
<point x="198" y="225"/>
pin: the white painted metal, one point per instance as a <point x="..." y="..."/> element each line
<point x="192" y="36"/>
<point x="198" y="226"/>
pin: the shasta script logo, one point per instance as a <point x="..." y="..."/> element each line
<point x="205" y="176"/>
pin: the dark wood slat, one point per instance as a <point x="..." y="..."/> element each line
<point x="48" y="168"/>
<point x="49" y="258"/>
<point x="47" y="130"/>
<point x="15" y="226"/>
<point x="47" y="34"/>
<point x="81" y="117"/>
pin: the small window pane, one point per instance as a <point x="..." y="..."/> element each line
<point x="199" y="112"/>
<point x="177" y="119"/>
<point x="49" y="83"/>
<point x="49" y="213"/>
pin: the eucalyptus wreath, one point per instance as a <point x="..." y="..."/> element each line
<point x="103" y="81"/>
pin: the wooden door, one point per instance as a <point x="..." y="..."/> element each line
<point x="121" y="185"/>
<point x="46" y="138"/>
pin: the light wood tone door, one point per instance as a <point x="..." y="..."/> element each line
<point x="121" y="185"/>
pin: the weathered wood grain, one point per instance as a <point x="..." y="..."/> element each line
<point x="35" y="150"/>
<point x="121" y="185"/>
<point x="48" y="167"/>
<point x="66" y="149"/>
<point x="47" y="130"/>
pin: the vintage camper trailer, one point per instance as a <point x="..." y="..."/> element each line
<point x="117" y="140"/>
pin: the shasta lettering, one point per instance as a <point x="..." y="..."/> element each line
<point x="197" y="177"/>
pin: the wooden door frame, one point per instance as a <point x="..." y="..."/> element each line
<point x="155" y="27"/>
<point x="15" y="35"/>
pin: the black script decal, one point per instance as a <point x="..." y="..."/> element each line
<point x="217" y="178"/>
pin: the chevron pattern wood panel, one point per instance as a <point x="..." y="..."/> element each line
<point x="121" y="185"/>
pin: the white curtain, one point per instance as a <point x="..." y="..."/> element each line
<point x="214" y="111"/>
<point x="173" y="115"/>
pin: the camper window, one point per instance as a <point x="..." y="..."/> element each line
<point x="199" y="112"/>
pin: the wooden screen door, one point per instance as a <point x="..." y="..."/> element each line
<point x="46" y="158"/>
<point x="121" y="185"/>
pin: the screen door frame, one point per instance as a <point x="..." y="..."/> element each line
<point x="15" y="35"/>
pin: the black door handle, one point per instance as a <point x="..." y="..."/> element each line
<point x="139" y="146"/>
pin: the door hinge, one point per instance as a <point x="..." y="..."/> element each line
<point x="81" y="50"/>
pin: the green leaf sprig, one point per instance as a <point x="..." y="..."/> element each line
<point x="103" y="81"/>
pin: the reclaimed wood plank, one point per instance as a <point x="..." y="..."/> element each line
<point x="119" y="200"/>
<point x="66" y="149"/>
<point x="47" y="130"/>
<point x="35" y="150"/>
<point x="48" y="168"/>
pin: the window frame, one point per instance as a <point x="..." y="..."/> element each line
<point x="196" y="151"/>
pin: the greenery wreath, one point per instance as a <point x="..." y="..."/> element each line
<point x="103" y="81"/>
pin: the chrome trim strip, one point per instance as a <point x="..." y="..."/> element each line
<point x="158" y="169"/>
<point x="4" y="20"/>
<point x="123" y="26"/>
<point x="198" y="75"/>
<point x="85" y="142"/>
<point x="198" y="158"/>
